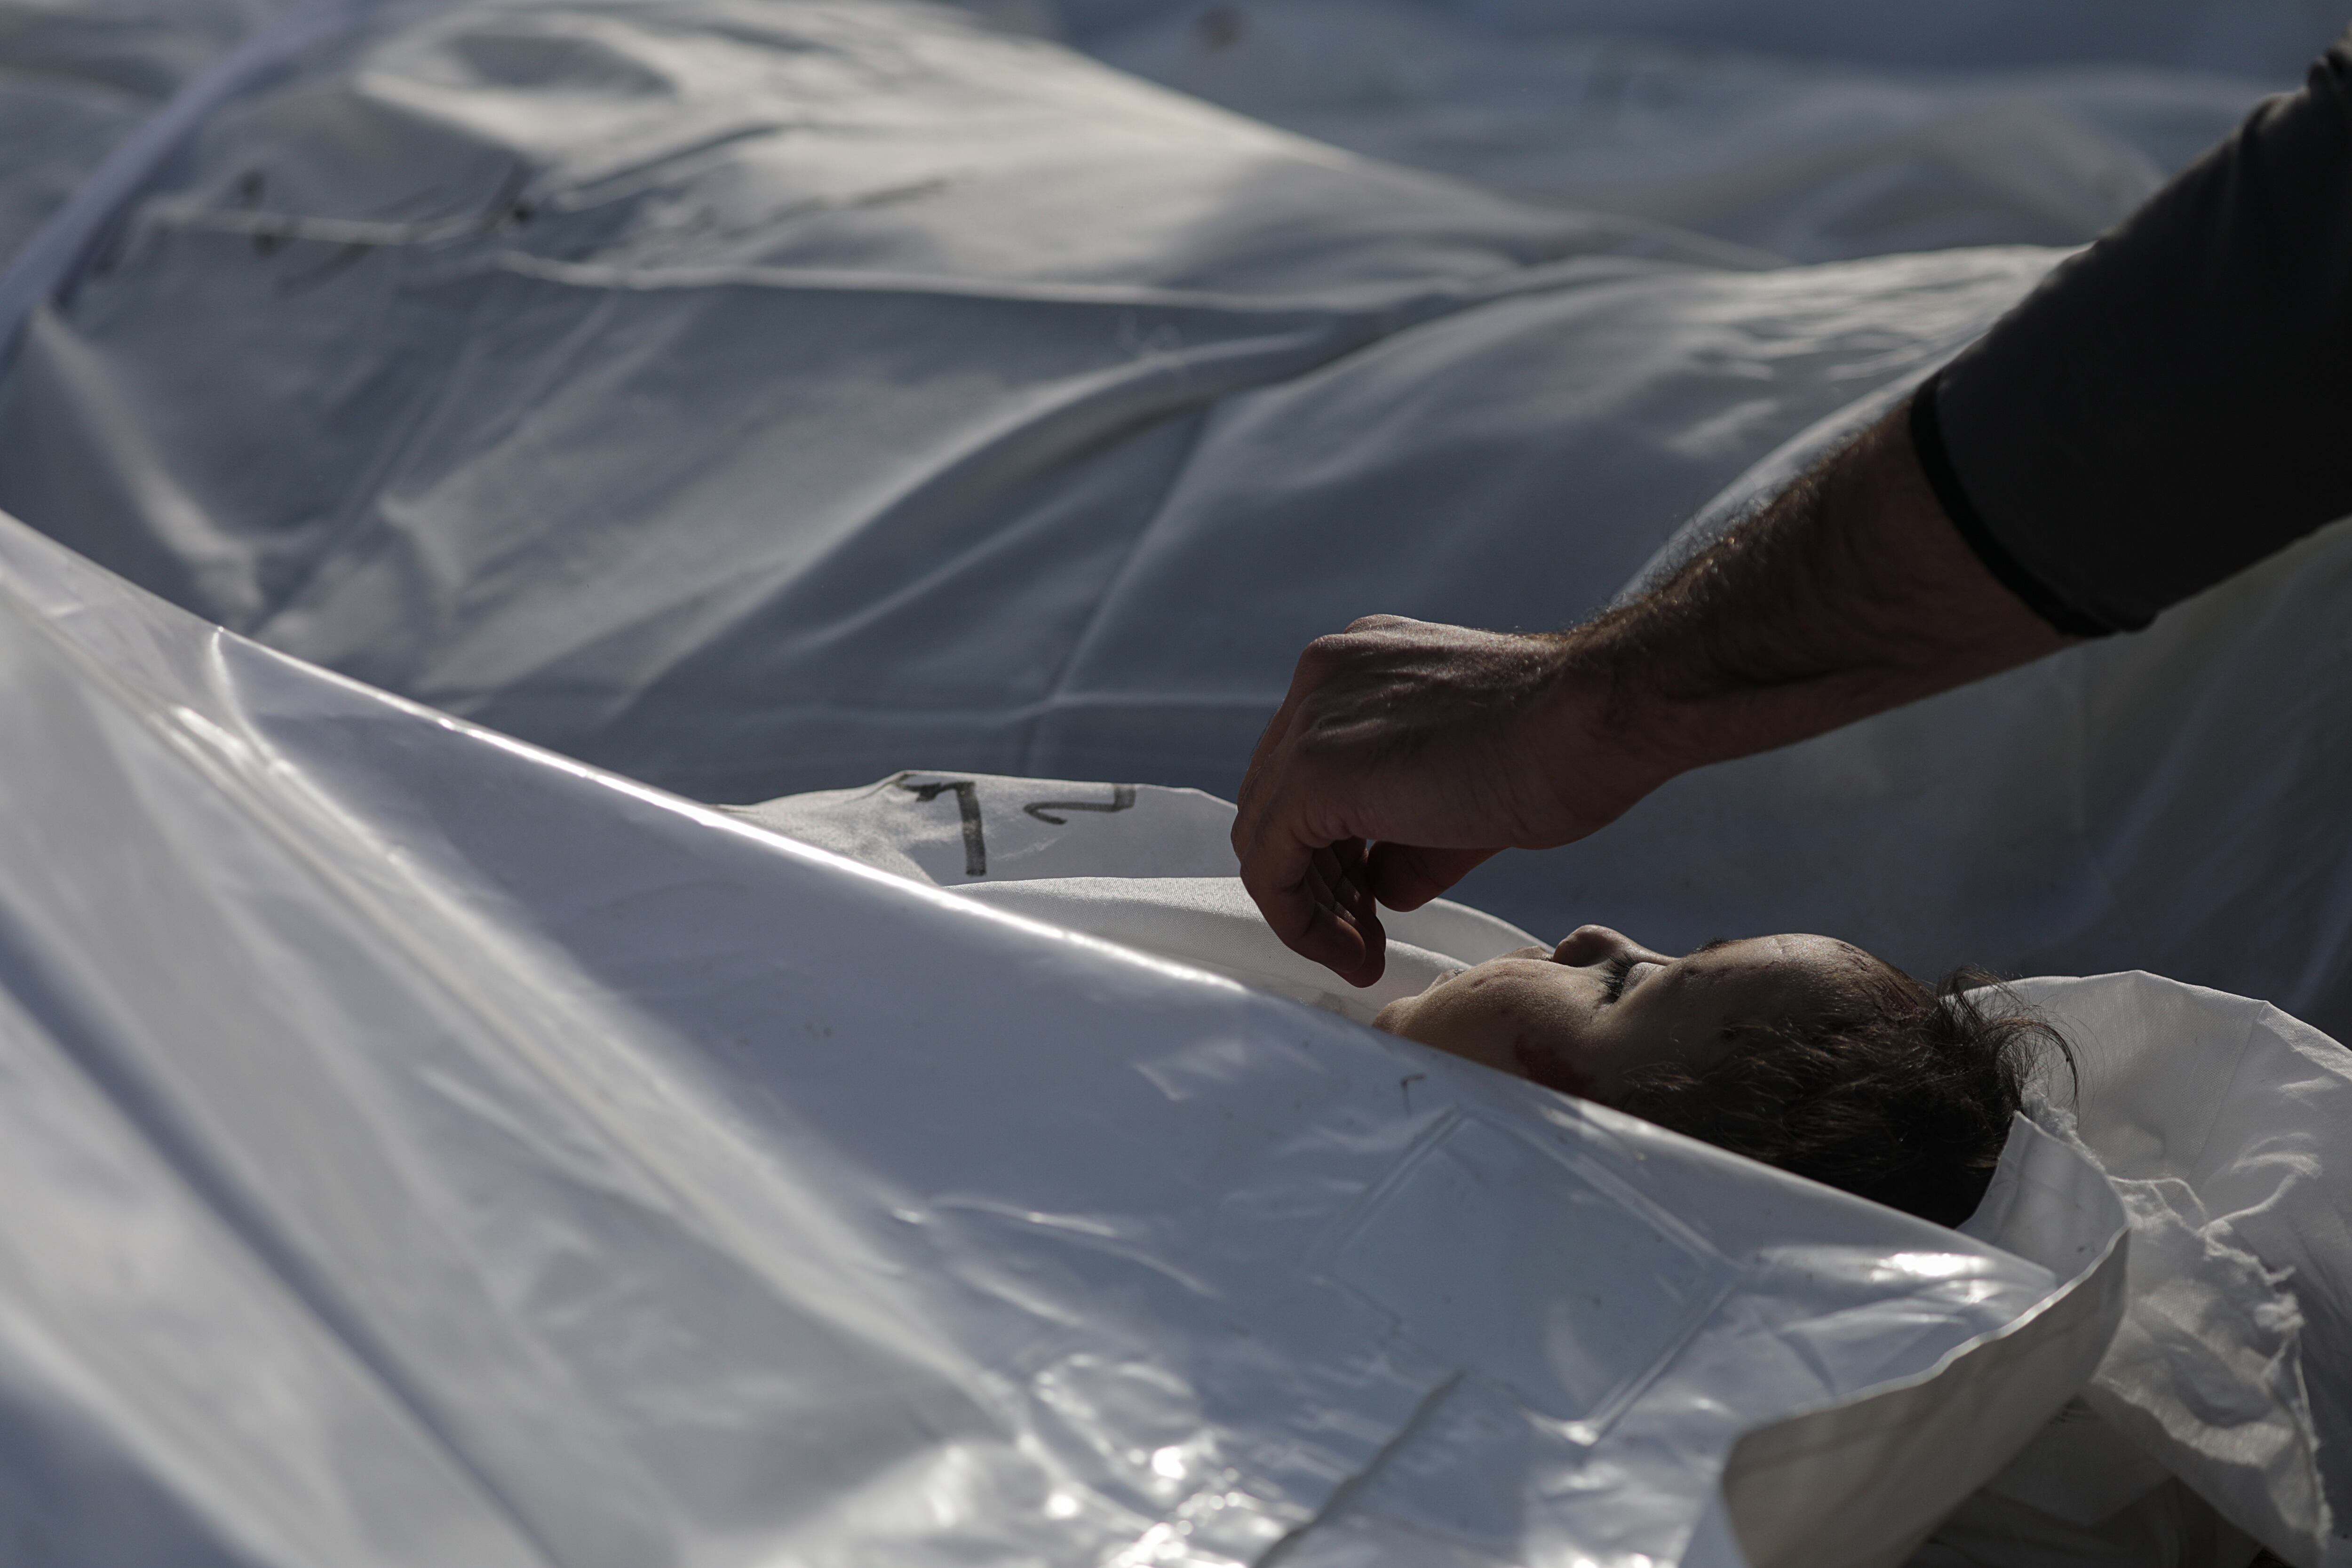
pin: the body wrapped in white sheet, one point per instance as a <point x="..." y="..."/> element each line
<point x="2211" y="1115"/>
<point x="425" y="1149"/>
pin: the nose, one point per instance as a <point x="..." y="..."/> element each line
<point x="1598" y="944"/>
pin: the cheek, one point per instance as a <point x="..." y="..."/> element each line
<point x="1511" y="1023"/>
<point x="1543" y="1036"/>
<point x="1557" y="1063"/>
<point x="1458" y="1019"/>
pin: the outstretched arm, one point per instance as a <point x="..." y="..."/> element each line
<point x="1406" y="752"/>
<point x="2166" y="408"/>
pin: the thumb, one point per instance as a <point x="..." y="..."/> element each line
<point x="1406" y="876"/>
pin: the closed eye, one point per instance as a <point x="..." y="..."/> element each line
<point x="1614" y="985"/>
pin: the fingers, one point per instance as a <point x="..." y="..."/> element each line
<point x="1327" y="916"/>
<point x="1320" y="902"/>
<point x="1262" y="779"/>
<point x="1276" y="862"/>
<point x="1344" y="907"/>
<point x="1316" y="897"/>
<point x="1406" y="876"/>
<point x="1321" y="777"/>
<point x="1302" y="889"/>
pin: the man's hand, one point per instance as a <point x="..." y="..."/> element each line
<point x="1406" y="753"/>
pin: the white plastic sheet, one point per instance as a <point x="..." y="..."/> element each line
<point x="1808" y="159"/>
<point x="2213" y="1116"/>
<point x="78" y="82"/>
<point x="969" y="323"/>
<point x="425" y="1149"/>
<point x="2273" y="39"/>
<point x="2226" y="1147"/>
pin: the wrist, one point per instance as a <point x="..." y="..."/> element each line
<point x="1610" y="729"/>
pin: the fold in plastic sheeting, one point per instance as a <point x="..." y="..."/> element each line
<point x="2225" y="1149"/>
<point x="751" y="399"/>
<point x="427" y="1150"/>
<point x="49" y="258"/>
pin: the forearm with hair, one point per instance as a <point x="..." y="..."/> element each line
<point x="1850" y="593"/>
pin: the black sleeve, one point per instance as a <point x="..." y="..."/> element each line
<point x="2175" y="403"/>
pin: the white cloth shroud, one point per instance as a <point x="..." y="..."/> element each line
<point x="1161" y="879"/>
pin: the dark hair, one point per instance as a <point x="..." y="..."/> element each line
<point x="1906" y="1101"/>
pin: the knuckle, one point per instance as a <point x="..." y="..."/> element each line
<point x="1329" y="649"/>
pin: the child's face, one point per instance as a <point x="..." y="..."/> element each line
<point x="1582" y="1016"/>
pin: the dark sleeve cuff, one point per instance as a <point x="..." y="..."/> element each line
<point x="1927" y="442"/>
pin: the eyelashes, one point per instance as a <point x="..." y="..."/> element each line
<point x="1619" y="969"/>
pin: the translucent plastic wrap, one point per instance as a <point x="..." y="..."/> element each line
<point x="423" y="1148"/>
<point x="2215" y="1409"/>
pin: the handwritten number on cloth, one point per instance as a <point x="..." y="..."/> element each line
<point x="967" y="794"/>
<point x="975" y="841"/>
<point x="1121" y="797"/>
